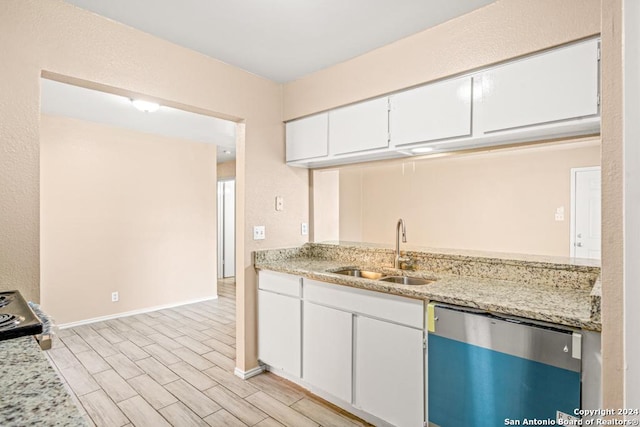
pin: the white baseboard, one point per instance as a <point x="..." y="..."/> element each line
<point x="133" y="312"/>
<point x="347" y="406"/>
<point x="245" y="375"/>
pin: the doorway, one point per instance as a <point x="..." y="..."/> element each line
<point x="226" y="228"/>
<point x="586" y="212"/>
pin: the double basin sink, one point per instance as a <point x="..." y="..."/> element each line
<point x="373" y="275"/>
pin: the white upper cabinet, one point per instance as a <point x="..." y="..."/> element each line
<point x="434" y="112"/>
<point x="308" y="138"/>
<point x="544" y="96"/>
<point x="359" y="127"/>
<point x="561" y="84"/>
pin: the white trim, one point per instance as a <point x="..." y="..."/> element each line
<point x="133" y="312"/>
<point x="248" y="374"/>
<point x="572" y="235"/>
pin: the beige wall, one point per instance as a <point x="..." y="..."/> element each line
<point x="612" y="205"/>
<point x="123" y="211"/>
<point x="326" y="206"/>
<point x="227" y="170"/>
<point x="351" y="204"/>
<point x="77" y="46"/>
<point x="501" y="201"/>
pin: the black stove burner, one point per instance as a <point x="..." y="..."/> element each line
<point x="5" y="300"/>
<point x="16" y="317"/>
<point x="9" y="321"/>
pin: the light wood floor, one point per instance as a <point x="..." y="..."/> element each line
<point x="175" y="367"/>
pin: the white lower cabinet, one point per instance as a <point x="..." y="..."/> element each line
<point x="361" y="350"/>
<point x="389" y="371"/>
<point x="327" y="350"/>
<point x="279" y="322"/>
<point x="279" y="331"/>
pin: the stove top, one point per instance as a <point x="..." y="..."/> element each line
<point x="16" y="317"/>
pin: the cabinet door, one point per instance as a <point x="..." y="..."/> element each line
<point x="308" y="138"/>
<point x="359" y="127"/>
<point x="558" y="85"/>
<point x="433" y="112"/>
<point x="390" y="371"/>
<point x="327" y="350"/>
<point x="279" y="331"/>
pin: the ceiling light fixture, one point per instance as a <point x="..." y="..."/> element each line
<point x="422" y="150"/>
<point x="145" y="106"/>
<point x="227" y="152"/>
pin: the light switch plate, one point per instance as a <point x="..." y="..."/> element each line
<point x="279" y="203"/>
<point x="259" y="232"/>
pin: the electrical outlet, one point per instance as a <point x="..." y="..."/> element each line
<point x="115" y="297"/>
<point x="304" y="229"/>
<point x="259" y="232"/>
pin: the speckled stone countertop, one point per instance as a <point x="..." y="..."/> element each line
<point x="31" y="392"/>
<point x="539" y="290"/>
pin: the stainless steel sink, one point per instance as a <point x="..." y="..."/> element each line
<point x="404" y="280"/>
<point x="356" y="272"/>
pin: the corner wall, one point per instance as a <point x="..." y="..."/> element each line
<point x="611" y="92"/>
<point x="631" y="53"/>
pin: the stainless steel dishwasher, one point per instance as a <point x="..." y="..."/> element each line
<point x="485" y="369"/>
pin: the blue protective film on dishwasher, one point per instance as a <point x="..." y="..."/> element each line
<point x="475" y="386"/>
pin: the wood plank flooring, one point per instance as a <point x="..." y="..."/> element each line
<point x="174" y="367"/>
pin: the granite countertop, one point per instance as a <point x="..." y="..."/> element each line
<point x="32" y="392"/>
<point x="569" y="305"/>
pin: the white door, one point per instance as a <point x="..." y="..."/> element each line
<point x="327" y="349"/>
<point x="585" y="218"/>
<point x="390" y="371"/>
<point x="226" y="228"/>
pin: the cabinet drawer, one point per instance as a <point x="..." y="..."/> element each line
<point x="281" y="283"/>
<point x="392" y="308"/>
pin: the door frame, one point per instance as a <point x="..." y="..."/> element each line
<point x="572" y="238"/>
<point x="220" y="230"/>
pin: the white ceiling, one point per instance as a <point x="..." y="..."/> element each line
<point x="281" y="40"/>
<point x="60" y="99"/>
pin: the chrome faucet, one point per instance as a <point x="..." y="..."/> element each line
<point x="398" y="259"/>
